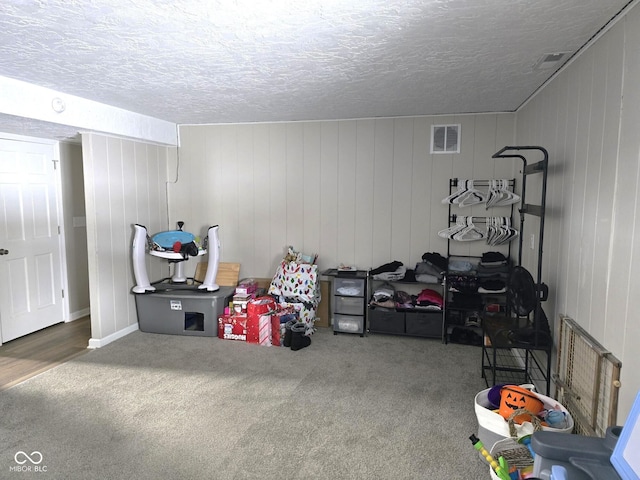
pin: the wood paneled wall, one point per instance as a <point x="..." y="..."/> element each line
<point x="75" y="235"/>
<point x="125" y="183"/>
<point x="358" y="192"/>
<point x="588" y="118"/>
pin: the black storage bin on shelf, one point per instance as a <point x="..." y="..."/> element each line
<point x="424" y="324"/>
<point x="382" y="320"/>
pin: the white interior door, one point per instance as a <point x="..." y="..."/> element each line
<point x="31" y="293"/>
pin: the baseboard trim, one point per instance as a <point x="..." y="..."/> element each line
<point x="79" y="314"/>
<point x="101" y="342"/>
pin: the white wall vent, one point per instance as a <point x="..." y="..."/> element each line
<point x="550" y="60"/>
<point x="445" y="138"/>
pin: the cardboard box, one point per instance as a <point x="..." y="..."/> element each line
<point x="232" y="327"/>
<point x="247" y="287"/>
<point x="240" y="303"/>
<point x="262" y="284"/>
<point x="323" y="318"/>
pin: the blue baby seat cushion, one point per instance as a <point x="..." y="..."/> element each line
<point x="169" y="238"/>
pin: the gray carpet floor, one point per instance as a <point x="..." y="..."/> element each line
<point x="154" y="406"/>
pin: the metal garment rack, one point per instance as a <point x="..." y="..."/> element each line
<point x="541" y="168"/>
<point x="501" y="338"/>
<point x="453" y="183"/>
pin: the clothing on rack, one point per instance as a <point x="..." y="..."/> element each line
<point x="409" y="276"/>
<point x="460" y="266"/>
<point x="427" y="272"/>
<point x="425" y="278"/>
<point x="395" y="275"/>
<point x="435" y="259"/>
<point x="429" y="297"/>
<point x="498" y="270"/>
<point x="387" y="267"/>
<point x="492" y="285"/>
<point x="403" y="300"/>
<point x="427" y="268"/>
<point x="383" y="293"/>
<point x="493" y="258"/>
<point x="463" y="283"/>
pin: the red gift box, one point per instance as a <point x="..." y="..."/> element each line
<point x="263" y="326"/>
<point x="232" y="327"/>
<point x="275" y="331"/>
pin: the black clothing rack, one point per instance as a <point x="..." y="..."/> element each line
<point x="475" y="219"/>
<point x="525" y="208"/>
<point x="453" y="183"/>
<point x="505" y="338"/>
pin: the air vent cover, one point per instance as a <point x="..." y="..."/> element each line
<point x="550" y="60"/>
<point x="445" y="138"/>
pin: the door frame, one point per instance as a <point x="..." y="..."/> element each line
<point x="64" y="282"/>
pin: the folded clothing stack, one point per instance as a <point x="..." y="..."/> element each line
<point x="461" y="266"/>
<point x="463" y="283"/>
<point x="383" y="296"/>
<point x="492" y="263"/>
<point x="427" y="272"/>
<point x="389" y="271"/>
<point x="429" y="300"/>
<point x="493" y="259"/>
<point x="436" y="260"/>
<point x="493" y="284"/>
<point x="493" y="272"/>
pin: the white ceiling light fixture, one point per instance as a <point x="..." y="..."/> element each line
<point x="551" y="60"/>
<point x="58" y="105"/>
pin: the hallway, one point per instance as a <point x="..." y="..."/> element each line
<point x="32" y="354"/>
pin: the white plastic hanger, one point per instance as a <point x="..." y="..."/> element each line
<point x="470" y="233"/>
<point x="472" y="196"/>
<point x="461" y="223"/>
<point x="500" y="195"/>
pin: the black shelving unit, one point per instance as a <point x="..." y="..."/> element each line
<point x="411" y="322"/>
<point x="502" y="335"/>
<point x="453" y="314"/>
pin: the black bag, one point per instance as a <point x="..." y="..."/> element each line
<point x="189" y="250"/>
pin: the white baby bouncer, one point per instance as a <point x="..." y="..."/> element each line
<point x="163" y="245"/>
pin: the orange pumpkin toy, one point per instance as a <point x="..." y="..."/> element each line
<point x="513" y="397"/>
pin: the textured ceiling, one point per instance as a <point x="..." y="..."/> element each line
<point x="193" y="61"/>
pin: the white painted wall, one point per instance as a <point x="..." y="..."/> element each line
<point x="361" y="192"/>
<point x="125" y="183"/>
<point x="73" y="210"/>
<point x="588" y="119"/>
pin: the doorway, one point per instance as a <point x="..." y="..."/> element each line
<point x="30" y="263"/>
<point x="42" y="227"/>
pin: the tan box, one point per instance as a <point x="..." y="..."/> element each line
<point x="263" y="283"/>
<point x="322" y="313"/>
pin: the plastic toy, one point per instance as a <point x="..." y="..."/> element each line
<point x="176" y="246"/>
<point x="501" y="469"/>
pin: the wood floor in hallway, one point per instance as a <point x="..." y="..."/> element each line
<point x="32" y="354"/>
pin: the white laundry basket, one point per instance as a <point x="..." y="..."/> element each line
<point x="492" y="427"/>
